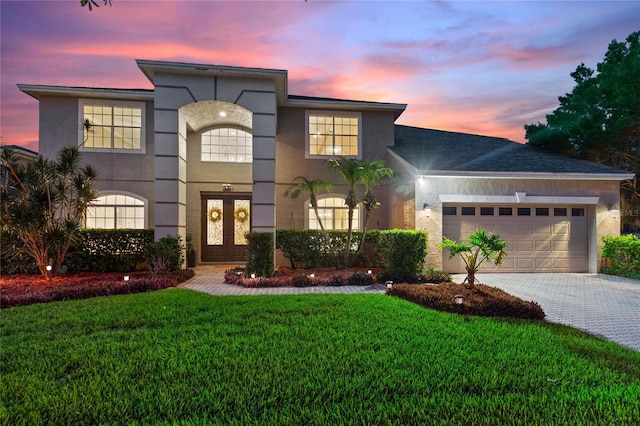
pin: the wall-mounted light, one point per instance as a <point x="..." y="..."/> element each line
<point x="614" y="211"/>
<point x="226" y="187"/>
<point x="427" y="209"/>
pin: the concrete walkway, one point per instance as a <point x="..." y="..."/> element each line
<point x="603" y="305"/>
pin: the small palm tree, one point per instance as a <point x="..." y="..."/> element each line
<point x="481" y="246"/>
<point x="313" y="187"/>
<point x="374" y="172"/>
<point x="351" y="170"/>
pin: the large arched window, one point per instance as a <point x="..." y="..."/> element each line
<point x="116" y="211"/>
<point x="334" y="214"/>
<point x="227" y="145"/>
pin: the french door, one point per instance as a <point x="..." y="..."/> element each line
<point x="226" y="218"/>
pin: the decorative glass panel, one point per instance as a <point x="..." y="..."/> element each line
<point x="214" y="222"/>
<point x="242" y="222"/>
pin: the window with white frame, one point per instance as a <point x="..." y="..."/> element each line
<point x="226" y="145"/>
<point x="115" y="211"/>
<point x="113" y="125"/>
<point x="333" y="134"/>
<point x="334" y="214"/>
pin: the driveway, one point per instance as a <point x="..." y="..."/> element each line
<point x="603" y="305"/>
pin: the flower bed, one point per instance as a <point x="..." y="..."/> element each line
<point x="482" y="300"/>
<point x="18" y="290"/>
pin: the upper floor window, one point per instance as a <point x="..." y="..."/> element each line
<point x="334" y="214"/>
<point x="114" y="125"/>
<point x="333" y="134"/>
<point x="227" y="145"/>
<point x="116" y="212"/>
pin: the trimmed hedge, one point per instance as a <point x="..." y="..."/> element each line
<point x="398" y="251"/>
<point x="624" y="250"/>
<point x="260" y="247"/>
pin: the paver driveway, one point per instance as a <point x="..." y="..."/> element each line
<point x="604" y="305"/>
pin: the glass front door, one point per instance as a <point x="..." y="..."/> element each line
<point x="226" y="218"/>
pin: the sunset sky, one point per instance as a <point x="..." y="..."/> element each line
<point x="471" y="66"/>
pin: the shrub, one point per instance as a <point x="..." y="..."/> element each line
<point x="335" y="281"/>
<point x="624" y="250"/>
<point x="360" y="278"/>
<point x="481" y="300"/>
<point x="404" y="251"/>
<point x="166" y="254"/>
<point x="301" y="280"/>
<point x="435" y="276"/>
<point x="260" y="247"/>
<point x="399" y="277"/>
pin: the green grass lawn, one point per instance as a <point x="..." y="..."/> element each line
<point x="180" y="357"/>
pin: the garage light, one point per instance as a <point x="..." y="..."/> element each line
<point x="426" y="209"/>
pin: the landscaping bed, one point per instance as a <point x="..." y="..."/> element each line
<point x="18" y="290"/>
<point x="481" y="300"/>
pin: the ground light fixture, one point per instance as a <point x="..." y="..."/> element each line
<point x="312" y="275"/>
<point x="126" y="277"/>
<point x="459" y="299"/>
<point x="389" y="284"/>
<point x="253" y="275"/>
<point x="369" y="271"/>
<point x="49" y="268"/>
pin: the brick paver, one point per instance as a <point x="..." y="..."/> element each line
<point x="603" y="305"/>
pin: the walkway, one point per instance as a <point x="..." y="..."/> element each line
<point x="603" y="305"/>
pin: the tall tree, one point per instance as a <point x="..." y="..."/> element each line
<point x="44" y="201"/>
<point x="313" y="188"/>
<point x="600" y="119"/>
<point x="351" y="170"/>
<point x="374" y="172"/>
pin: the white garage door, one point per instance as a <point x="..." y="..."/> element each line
<point x="540" y="238"/>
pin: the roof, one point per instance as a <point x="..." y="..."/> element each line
<point x="38" y="90"/>
<point x="22" y="151"/>
<point x="437" y="152"/>
<point x="320" y="102"/>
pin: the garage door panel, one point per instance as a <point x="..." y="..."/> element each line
<point x="535" y="243"/>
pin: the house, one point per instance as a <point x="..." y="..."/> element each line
<point x="211" y="150"/>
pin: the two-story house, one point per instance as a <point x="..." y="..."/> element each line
<point x="211" y="150"/>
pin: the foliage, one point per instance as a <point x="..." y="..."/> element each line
<point x="482" y="246"/>
<point x="624" y="250"/>
<point x="26" y="290"/>
<point x="313" y="187"/>
<point x="93" y="3"/>
<point x="374" y="172"/>
<point x="310" y="248"/>
<point x="238" y="277"/>
<point x="436" y="276"/>
<point x="13" y="259"/>
<point x="600" y="119"/>
<point x="180" y="357"/>
<point x="43" y="203"/>
<point x="404" y="251"/>
<point x="166" y="254"/>
<point x="481" y="300"/>
<point x="261" y="255"/>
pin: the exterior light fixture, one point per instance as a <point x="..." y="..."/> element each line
<point x="312" y="275"/>
<point x="459" y="299"/>
<point x="369" y="271"/>
<point x="226" y="187"/>
<point x="253" y="275"/>
<point x="614" y="211"/>
<point x="49" y="268"/>
<point x="426" y="209"/>
<point x="389" y="284"/>
<point x="222" y="113"/>
<point x="126" y="277"/>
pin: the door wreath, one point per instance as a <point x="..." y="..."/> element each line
<point x="215" y="214"/>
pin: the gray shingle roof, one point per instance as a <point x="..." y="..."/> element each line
<point x="439" y="151"/>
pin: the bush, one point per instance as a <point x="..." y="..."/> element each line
<point x="260" y="246"/>
<point x="436" y="276"/>
<point x="481" y="300"/>
<point x="624" y="251"/>
<point x="404" y="251"/>
<point x="360" y="278"/>
<point x="165" y="255"/>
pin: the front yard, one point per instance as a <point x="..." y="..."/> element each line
<point x="180" y="357"/>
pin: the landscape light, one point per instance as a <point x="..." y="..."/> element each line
<point x="126" y="277"/>
<point x="459" y="299"/>
<point x="389" y="284"/>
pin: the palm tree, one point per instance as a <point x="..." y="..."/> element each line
<point x="374" y="172"/>
<point x="313" y="187"/>
<point x="351" y="170"/>
<point x="44" y="201"/>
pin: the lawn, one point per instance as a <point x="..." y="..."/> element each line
<point x="179" y="357"/>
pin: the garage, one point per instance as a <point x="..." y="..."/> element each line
<point x="541" y="238"/>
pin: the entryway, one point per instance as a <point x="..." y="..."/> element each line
<point x="226" y="218"/>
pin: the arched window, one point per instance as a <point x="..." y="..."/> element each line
<point x="227" y="145"/>
<point x="116" y="211"/>
<point x="334" y="214"/>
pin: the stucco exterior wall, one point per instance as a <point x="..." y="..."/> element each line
<point x="430" y="189"/>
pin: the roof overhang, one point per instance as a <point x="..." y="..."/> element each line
<point x="279" y="77"/>
<point x="37" y="91"/>
<point x="345" y="104"/>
